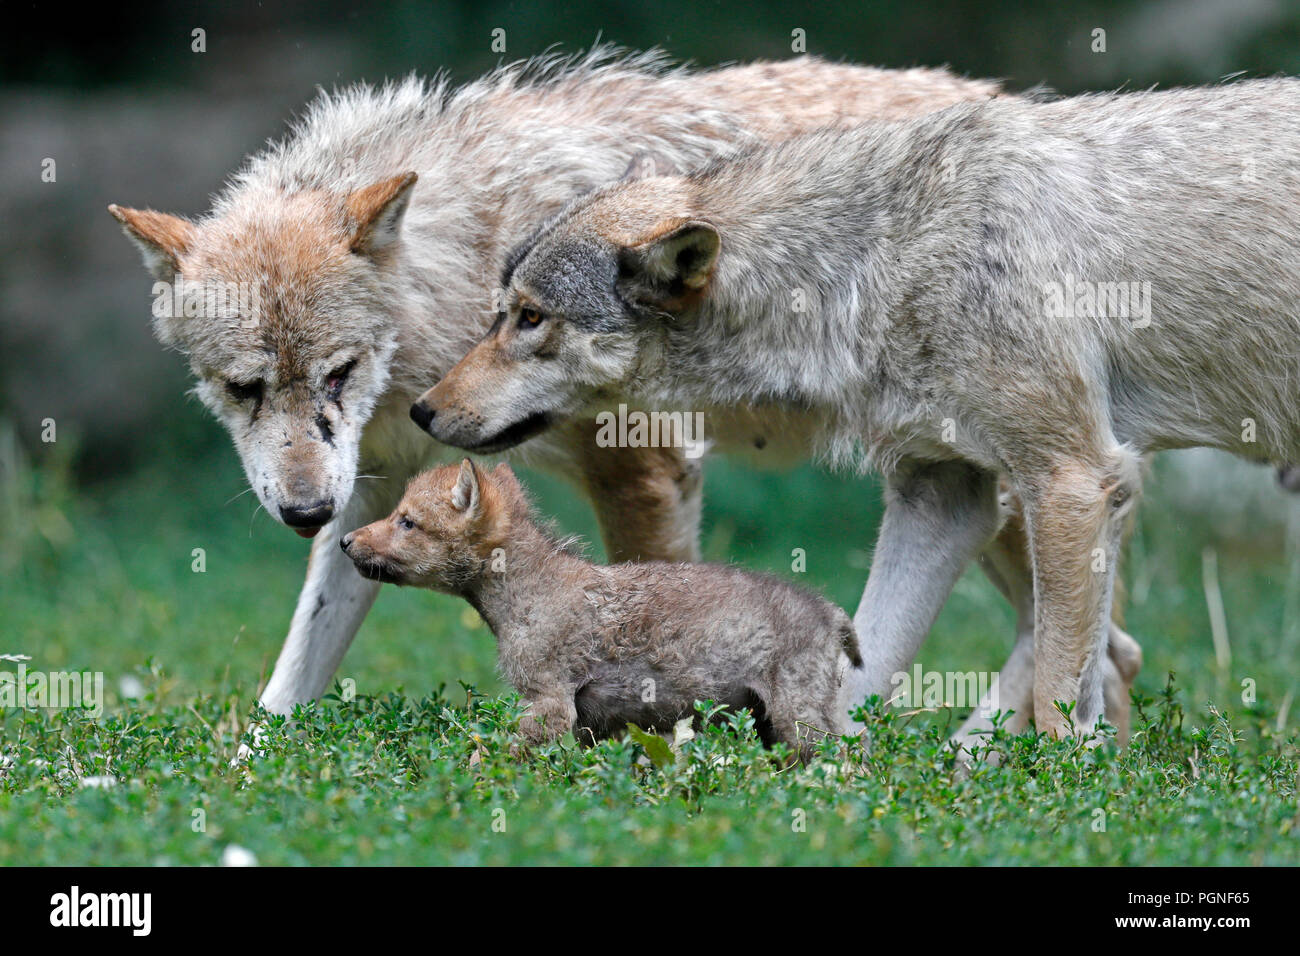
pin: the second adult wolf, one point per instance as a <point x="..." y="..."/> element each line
<point x="1045" y="291"/>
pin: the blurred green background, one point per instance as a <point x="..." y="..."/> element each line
<point x="99" y="527"/>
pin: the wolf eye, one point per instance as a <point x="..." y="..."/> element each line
<point x="405" y="523"/>
<point x="245" y="392"/>
<point x="336" y="379"/>
<point x="530" y="316"/>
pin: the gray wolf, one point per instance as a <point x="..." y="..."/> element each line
<point x="1038" y="291"/>
<point x="592" y="648"/>
<point x="373" y="236"/>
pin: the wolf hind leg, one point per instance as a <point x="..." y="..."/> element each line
<point x="1006" y="562"/>
<point x="1075" y="507"/>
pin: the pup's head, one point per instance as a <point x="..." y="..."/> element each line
<point x="442" y="533"/>
<point x="285" y="311"/>
<point x="584" y="298"/>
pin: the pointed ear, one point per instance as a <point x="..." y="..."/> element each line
<point x="673" y="269"/>
<point x="465" y="496"/>
<point x="161" y="238"/>
<point x="647" y="164"/>
<point x="376" y="213"/>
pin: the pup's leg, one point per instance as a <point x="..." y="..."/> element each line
<point x="1075" y="512"/>
<point x="334" y="601"/>
<point x="547" y="716"/>
<point x="937" y="518"/>
<point x="797" y="717"/>
<point x="647" y="500"/>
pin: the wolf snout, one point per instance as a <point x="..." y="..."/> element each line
<point x="307" y="519"/>
<point x="422" y="415"/>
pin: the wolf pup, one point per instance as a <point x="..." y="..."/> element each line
<point x="592" y="648"/>
<point x="372" y="236"/>
<point x="1041" y="290"/>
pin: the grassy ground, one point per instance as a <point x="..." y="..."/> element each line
<point x="418" y="768"/>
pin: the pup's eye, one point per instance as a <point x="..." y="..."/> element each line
<point x="405" y="523"/>
<point x="336" y="379"/>
<point x="245" y="391"/>
<point x="530" y="316"/>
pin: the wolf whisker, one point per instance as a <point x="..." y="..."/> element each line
<point x="238" y="496"/>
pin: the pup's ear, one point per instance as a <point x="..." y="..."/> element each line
<point x="465" y="496"/>
<point x="376" y="213"/>
<point x="673" y="269"/>
<point x="161" y="238"/>
<point x="647" y="164"/>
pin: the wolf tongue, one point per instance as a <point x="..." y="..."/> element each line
<point x="306" y="532"/>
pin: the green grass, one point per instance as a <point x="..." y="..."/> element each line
<point x="416" y="769"/>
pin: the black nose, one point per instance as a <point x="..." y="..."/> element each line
<point x="345" y="542"/>
<point x="422" y="415"/>
<point x="312" y="516"/>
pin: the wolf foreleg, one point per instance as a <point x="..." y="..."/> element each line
<point x="938" y="516"/>
<point x="334" y="601"/>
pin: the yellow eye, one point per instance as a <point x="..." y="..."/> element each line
<point x="529" y="315"/>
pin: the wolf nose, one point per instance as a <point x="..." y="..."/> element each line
<point x="312" y="516"/>
<point x="345" y="542"/>
<point x="422" y="415"/>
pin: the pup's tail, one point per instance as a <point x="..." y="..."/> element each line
<point x="1288" y="476"/>
<point x="853" y="678"/>
<point x="848" y="636"/>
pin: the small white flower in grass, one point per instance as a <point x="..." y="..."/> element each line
<point x="103" y="782"/>
<point x="130" y="687"/>
<point x="235" y="855"/>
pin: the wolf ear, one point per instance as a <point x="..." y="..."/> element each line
<point x="376" y="213"/>
<point x="465" y="496"/>
<point x="673" y="269"/>
<point x="647" y="164"/>
<point x="161" y="238"/>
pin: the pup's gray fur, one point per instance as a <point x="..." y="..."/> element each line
<point x="591" y="648"/>
<point x="929" y="257"/>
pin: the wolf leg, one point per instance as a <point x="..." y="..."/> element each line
<point x="334" y="601"/>
<point x="548" y="717"/>
<point x="1123" y="661"/>
<point x="1006" y="562"/>
<point x="937" y="518"/>
<point x="647" y="500"/>
<point x="1075" y="515"/>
